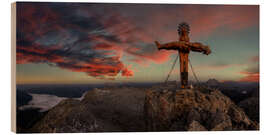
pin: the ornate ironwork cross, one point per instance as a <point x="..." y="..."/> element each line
<point x="184" y="46"/>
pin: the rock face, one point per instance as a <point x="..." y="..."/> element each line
<point x="251" y="107"/>
<point x="193" y="110"/>
<point x="101" y="110"/>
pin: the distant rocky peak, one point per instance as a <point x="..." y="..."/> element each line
<point x="212" y="82"/>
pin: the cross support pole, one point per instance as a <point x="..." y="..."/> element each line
<point x="183" y="68"/>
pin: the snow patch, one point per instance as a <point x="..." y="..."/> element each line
<point x="45" y="102"/>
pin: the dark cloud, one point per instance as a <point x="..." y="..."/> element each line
<point x="57" y="35"/>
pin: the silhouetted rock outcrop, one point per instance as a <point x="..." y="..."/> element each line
<point x="212" y="82"/>
<point x="193" y="110"/>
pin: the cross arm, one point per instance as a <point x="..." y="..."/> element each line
<point x="199" y="47"/>
<point x="171" y="45"/>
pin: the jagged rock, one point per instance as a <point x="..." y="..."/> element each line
<point x="220" y="121"/>
<point x="184" y="109"/>
<point x="196" y="126"/>
<point x="251" y="107"/>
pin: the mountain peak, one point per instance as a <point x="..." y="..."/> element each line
<point x="212" y="82"/>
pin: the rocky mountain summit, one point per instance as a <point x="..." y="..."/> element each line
<point x="128" y="109"/>
<point x="193" y="110"/>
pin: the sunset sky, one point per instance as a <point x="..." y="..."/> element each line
<point x="100" y="43"/>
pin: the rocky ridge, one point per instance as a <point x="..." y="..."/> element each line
<point x="101" y="110"/>
<point x="159" y="108"/>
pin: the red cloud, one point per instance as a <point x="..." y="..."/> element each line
<point x="36" y="53"/>
<point x="157" y="57"/>
<point x="203" y="19"/>
<point x="250" y="77"/>
<point x="233" y="17"/>
<point x="127" y="72"/>
<point x="97" y="67"/>
<point x="142" y="58"/>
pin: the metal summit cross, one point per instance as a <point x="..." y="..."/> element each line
<point x="184" y="46"/>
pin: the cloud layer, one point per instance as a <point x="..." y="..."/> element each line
<point x="93" y="38"/>
<point x="61" y="36"/>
